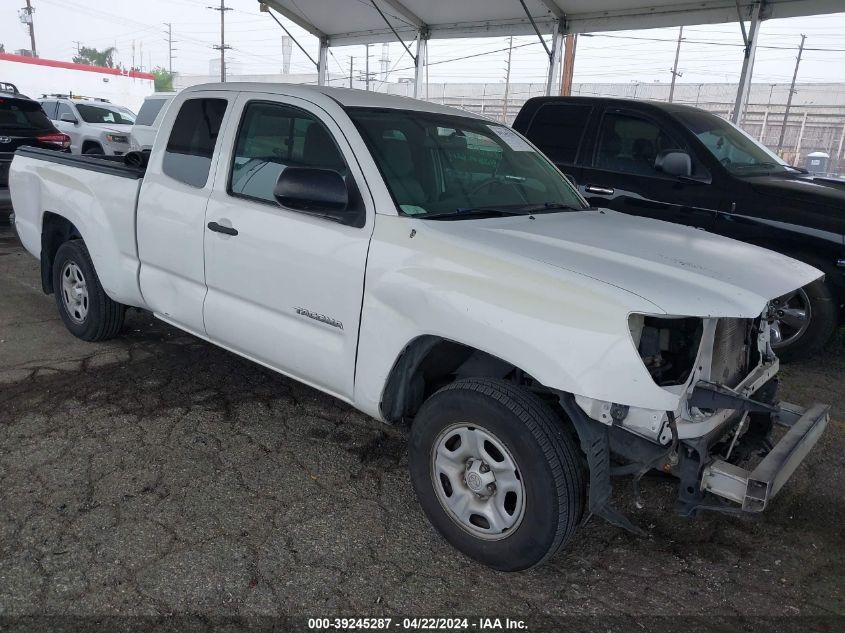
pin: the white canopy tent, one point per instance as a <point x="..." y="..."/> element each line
<point x="343" y="22"/>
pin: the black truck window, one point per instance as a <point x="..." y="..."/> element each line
<point x="191" y="143"/>
<point x="629" y="144"/>
<point x="557" y="129"/>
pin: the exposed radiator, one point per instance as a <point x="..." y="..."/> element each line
<point x="730" y="352"/>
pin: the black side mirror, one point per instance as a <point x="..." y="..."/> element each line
<point x="674" y="162"/>
<point x="312" y="189"/>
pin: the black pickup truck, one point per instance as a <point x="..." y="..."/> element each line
<point x="22" y="122"/>
<point x="682" y="164"/>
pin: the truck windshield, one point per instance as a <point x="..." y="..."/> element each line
<point x="436" y="165"/>
<point x="741" y="154"/>
<point x="104" y="114"/>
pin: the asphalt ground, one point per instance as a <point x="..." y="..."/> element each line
<point x="156" y="482"/>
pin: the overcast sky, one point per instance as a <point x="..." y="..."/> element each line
<point x="710" y="53"/>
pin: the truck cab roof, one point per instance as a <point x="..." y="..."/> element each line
<point x="346" y="97"/>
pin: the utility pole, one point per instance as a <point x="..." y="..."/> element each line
<point x="675" y="73"/>
<point x="367" y="66"/>
<point x="791" y="92"/>
<point x="170" y="48"/>
<point x="570" y="40"/>
<point x="351" y="69"/>
<point x="507" y="81"/>
<point x="30" y="22"/>
<point x="222" y="46"/>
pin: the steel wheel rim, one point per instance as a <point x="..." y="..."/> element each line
<point x="465" y="460"/>
<point x="792" y="313"/>
<point x="74" y="292"/>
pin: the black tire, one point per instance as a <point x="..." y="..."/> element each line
<point x="94" y="150"/>
<point x="824" y="319"/>
<point x="546" y="455"/>
<point x="104" y="317"/>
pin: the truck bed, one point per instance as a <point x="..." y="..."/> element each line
<point x="112" y="165"/>
<point x="97" y="195"/>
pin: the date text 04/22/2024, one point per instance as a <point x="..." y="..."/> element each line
<point x="491" y="625"/>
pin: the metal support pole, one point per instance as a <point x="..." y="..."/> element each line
<point x="420" y="61"/>
<point x="744" y="87"/>
<point x="763" y="128"/>
<point x="322" y="62"/>
<point x="555" y="57"/>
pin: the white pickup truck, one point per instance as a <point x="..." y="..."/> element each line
<point x="430" y="266"/>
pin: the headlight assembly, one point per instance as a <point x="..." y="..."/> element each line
<point x="668" y="345"/>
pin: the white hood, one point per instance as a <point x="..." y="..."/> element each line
<point x="681" y="270"/>
<point x="116" y="128"/>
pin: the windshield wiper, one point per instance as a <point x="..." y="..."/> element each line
<point x="770" y="165"/>
<point x="471" y="212"/>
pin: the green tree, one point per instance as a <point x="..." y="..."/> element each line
<point x="94" y="57"/>
<point x="163" y="80"/>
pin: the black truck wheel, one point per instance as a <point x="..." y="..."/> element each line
<point x="805" y="320"/>
<point x="496" y="472"/>
<point x="85" y="308"/>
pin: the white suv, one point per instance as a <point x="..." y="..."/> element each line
<point x="95" y="126"/>
<point x="149" y="119"/>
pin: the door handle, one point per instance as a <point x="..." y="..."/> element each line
<point x="607" y="191"/>
<point x="219" y="228"/>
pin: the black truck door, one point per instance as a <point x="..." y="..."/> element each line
<point x="620" y="174"/>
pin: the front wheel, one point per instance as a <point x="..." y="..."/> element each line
<point x="86" y="309"/>
<point x="496" y="472"/>
<point x="804" y="320"/>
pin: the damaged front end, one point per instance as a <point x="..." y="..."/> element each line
<point x="724" y="374"/>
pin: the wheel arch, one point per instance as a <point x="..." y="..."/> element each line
<point x="90" y="144"/>
<point x="430" y="362"/>
<point x="55" y="231"/>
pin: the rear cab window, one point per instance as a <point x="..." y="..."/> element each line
<point x="190" y="148"/>
<point x="557" y="129"/>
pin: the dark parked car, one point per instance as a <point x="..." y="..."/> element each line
<point x="22" y="122"/>
<point x="684" y="165"/>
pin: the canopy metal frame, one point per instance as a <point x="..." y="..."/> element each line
<point x="333" y="24"/>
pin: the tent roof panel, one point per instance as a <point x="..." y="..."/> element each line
<point x="357" y="22"/>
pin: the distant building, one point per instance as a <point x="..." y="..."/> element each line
<point x="35" y="76"/>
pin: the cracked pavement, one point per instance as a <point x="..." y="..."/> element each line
<point x="157" y="474"/>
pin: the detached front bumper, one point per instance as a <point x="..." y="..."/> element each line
<point x="754" y="489"/>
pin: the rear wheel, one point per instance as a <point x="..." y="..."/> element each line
<point x="85" y="308"/>
<point x="496" y="473"/>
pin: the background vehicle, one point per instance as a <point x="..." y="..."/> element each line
<point x="95" y="126"/>
<point x="149" y="119"/>
<point x="503" y="316"/>
<point x="22" y="122"/>
<point x="682" y="164"/>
